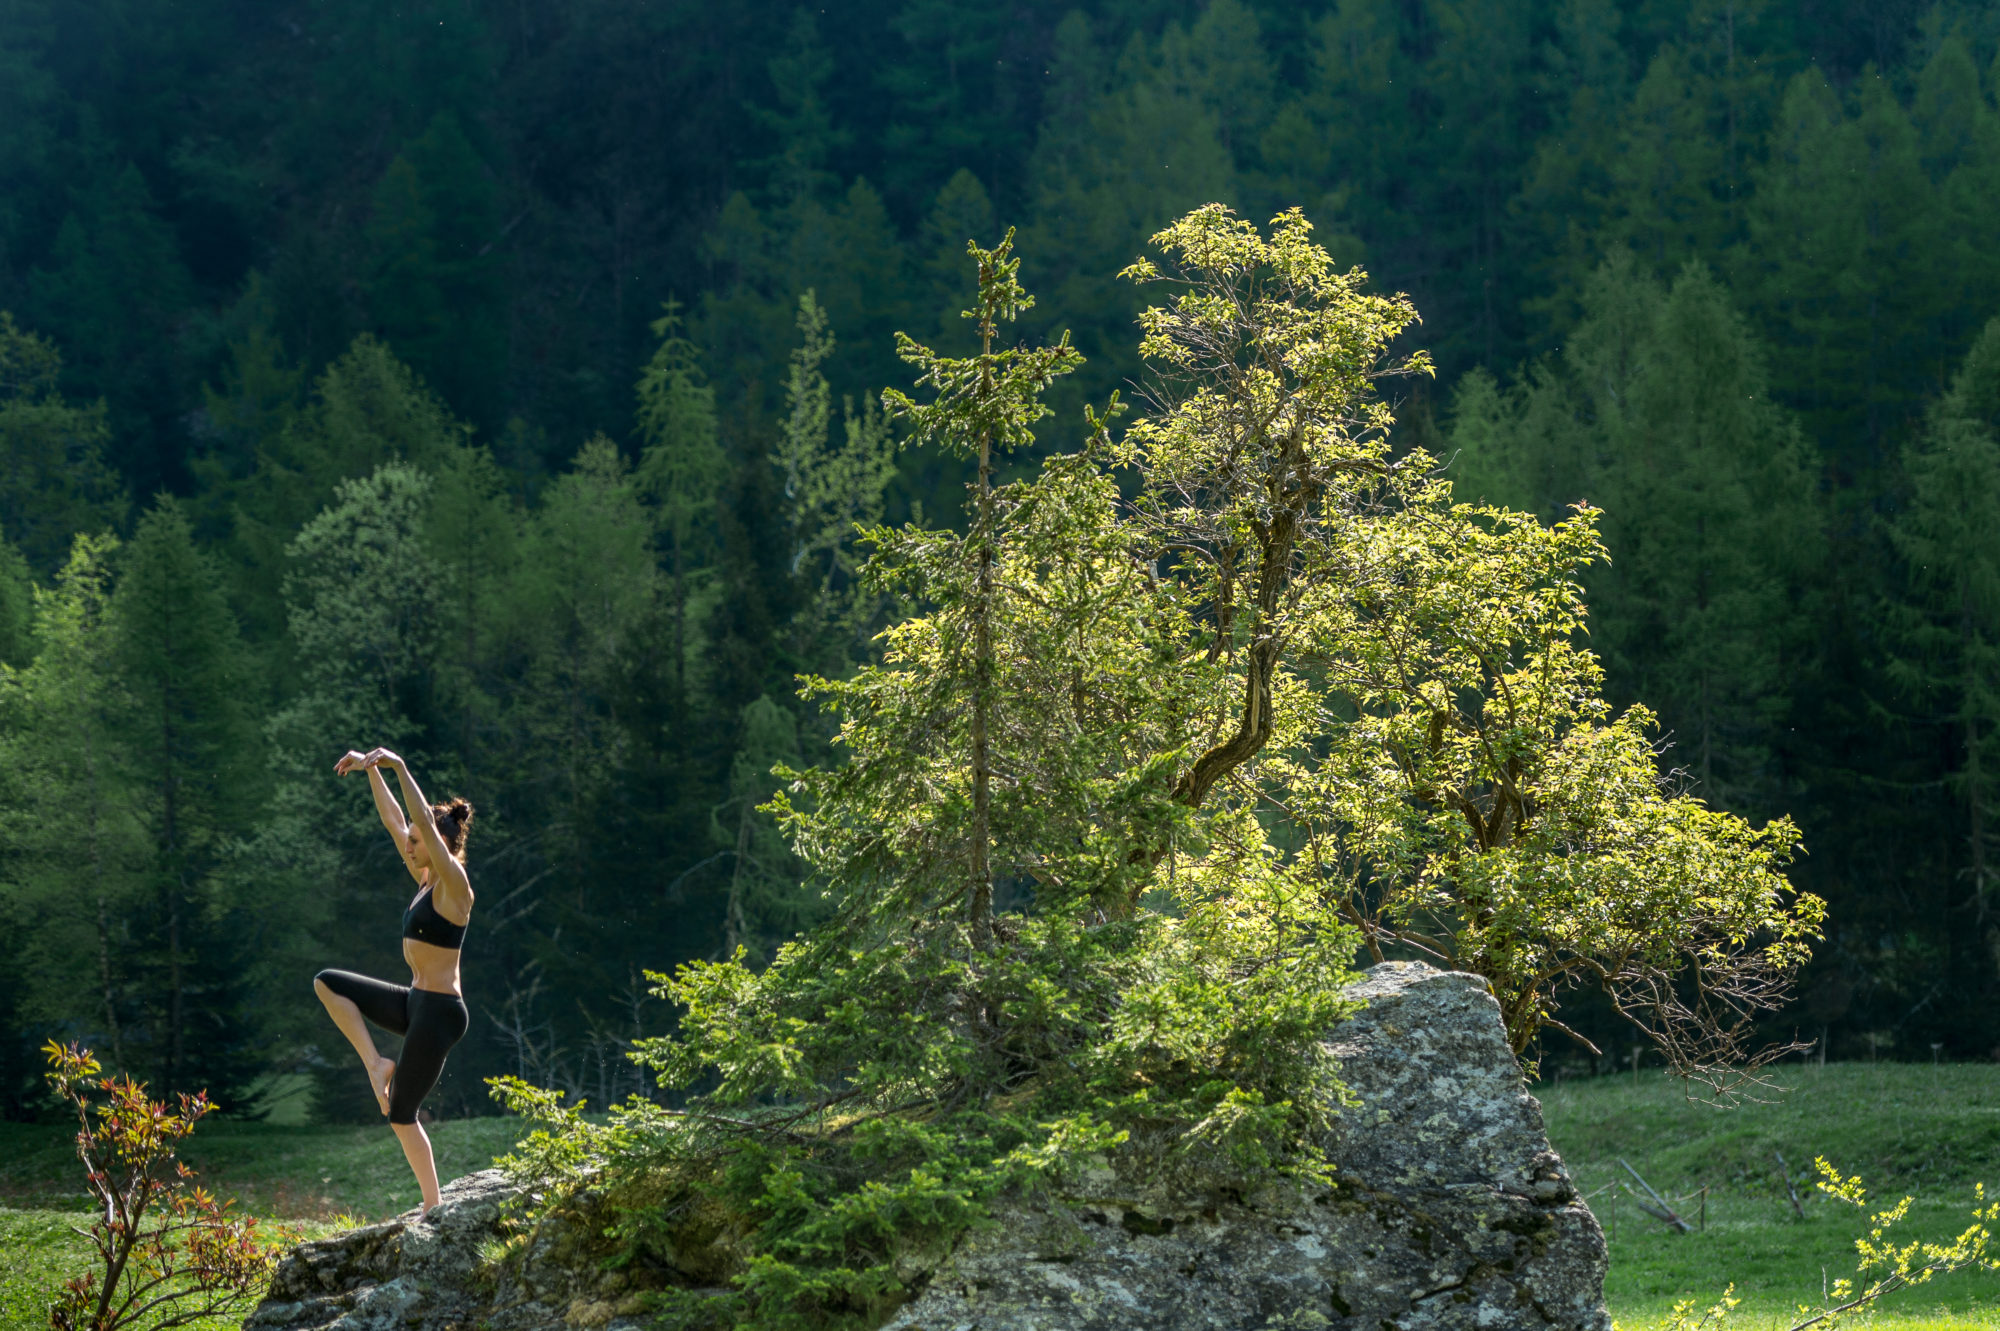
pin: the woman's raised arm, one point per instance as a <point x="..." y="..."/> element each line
<point x="392" y="815"/>
<point x="446" y="871"/>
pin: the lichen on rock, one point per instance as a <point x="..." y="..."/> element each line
<point x="437" y="1272"/>
<point x="1449" y="1210"/>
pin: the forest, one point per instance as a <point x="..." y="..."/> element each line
<point x="503" y="384"/>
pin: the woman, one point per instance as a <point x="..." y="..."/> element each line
<point x="430" y="1015"/>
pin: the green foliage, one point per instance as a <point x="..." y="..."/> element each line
<point x="190" y="754"/>
<point x="112" y="285"/>
<point x="1132" y="782"/>
<point x="832" y="490"/>
<point x="435" y="287"/>
<point x="1886" y="1266"/>
<point x="75" y="846"/>
<point x="367" y="409"/>
<point x="1417" y="710"/>
<point x="17" y="607"/>
<point x="1946" y="655"/>
<point x="1660" y="413"/>
<point x="865" y="1096"/>
<point x="167" y="1252"/>
<point x="250" y="292"/>
<point x="55" y="482"/>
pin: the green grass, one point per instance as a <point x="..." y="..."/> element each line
<point x="1929" y="1133"/>
<point x="1904" y="1129"/>
<point x="293" y="1174"/>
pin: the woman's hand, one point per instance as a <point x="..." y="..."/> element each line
<point x="361" y="762"/>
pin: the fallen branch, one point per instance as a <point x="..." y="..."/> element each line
<point x="1665" y="1213"/>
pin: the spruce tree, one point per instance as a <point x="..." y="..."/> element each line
<point x="985" y="404"/>
<point x="472" y="530"/>
<point x="1659" y="413"/>
<point x="833" y="487"/>
<point x="112" y="290"/>
<point x="17" y="607"/>
<point x="588" y="585"/>
<point x="767" y="901"/>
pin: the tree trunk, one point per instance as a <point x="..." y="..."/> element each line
<point x="96" y="850"/>
<point x="170" y="837"/>
<point x="1975" y="792"/>
<point x="982" y="683"/>
<point x="734" y="924"/>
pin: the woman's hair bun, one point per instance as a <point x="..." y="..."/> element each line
<point x="454" y="820"/>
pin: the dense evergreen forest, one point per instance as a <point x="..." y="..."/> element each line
<point x="500" y="383"/>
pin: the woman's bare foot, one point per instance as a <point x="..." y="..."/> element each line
<point x="379" y="1077"/>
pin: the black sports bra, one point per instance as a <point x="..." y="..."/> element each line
<point x="423" y="923"/>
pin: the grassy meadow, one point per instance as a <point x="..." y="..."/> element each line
<point x="1929" y="1132"/>
<point x="310" y="1178"/>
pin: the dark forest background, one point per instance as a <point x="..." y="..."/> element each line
<point x="496" y="382"/>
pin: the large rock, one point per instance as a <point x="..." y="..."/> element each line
<point x="437" y="1272"/>
<point x="1449" y="1211"/>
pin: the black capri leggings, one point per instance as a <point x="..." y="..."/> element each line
<point x="429" y="1022"/>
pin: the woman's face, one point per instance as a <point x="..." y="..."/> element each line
<point x="420" y="853"/>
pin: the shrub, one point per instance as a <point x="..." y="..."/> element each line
<point x="168" y="1253"/>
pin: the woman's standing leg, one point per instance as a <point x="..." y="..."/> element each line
<point x="417" y="1150"/>
<point x="437" y="1022"/>
<point x="355" y="1000"/>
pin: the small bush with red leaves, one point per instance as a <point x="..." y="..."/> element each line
<point x="167" y="1252"/>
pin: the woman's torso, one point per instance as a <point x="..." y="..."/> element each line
<point x="431" y="966"/>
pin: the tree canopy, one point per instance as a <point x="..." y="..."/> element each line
<point x="595" y="306"/>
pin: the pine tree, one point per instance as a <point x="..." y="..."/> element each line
<point x="54" y="480"/>
<point x="961" y="212"/>
<point x="367" y="409"/>
<point x="1659" y="412"/>
<point x="766" y="902"/>
<point x="985" y="404"/>
<point x="436" y="288"/>
<point x="1959" y="131"/>
<point x="831" y="490"/>
<point x="1713" y="529"/>
<point x="1946" y="644"/>
<point x="588" y="586"/>
<point x="17" y="607"/>
<point x="800" y="125"/>
<point x="1148" y="146"/>
<point x="1844" y="230"/>
<point x="681" y="471"/>
<point x="247" y="412"/>
<point x="191" y="752"/>
<point x="111" y="293"/>
<point x="472" y="531"/>
<point x="74" y="844"/>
